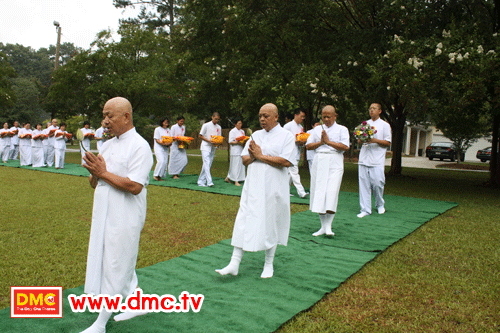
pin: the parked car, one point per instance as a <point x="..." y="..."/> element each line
<point x="442" y="150"/>
<point x="484" y="154"/>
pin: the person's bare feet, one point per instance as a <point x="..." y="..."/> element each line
<point x="227" y="180"/>
<point x="176" y="177"/>
<point x="237" y="184"/>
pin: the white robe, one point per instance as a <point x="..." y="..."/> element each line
<point x="371" y="168"/>
<point x="161" y="152"/>
<point x="178" y="157"/>
<point x="118" y="218"/>
<point x="327" y="168"/>
<point x="25" y="147"/>
<point x="236" y="168"/>
<point x="85" y="142"/>
<point x="263" y="219"/>
<point x="37" y="157"/>
<point x="5" y="145"/>
<point x="99" y="133"/>
<point x="60" y="149"/>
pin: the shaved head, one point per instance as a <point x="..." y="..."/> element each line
<point x="117" y="113"/>
<point x="329" y="108"/>
<point x="270" y="107"/>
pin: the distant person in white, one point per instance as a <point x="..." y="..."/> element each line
<point x="263" y="219"/>
<point x="329" y="142"/>
<point x="25" y="145"/>
<point x="86" y="140"/>
<point x="161" y="150"/>
<point x="46" y="142"/>
<point x="37" y="147"/>
<point x="51" y="142"/>
<point x="14" y="142"/>
<point x="178" y="157"/>
<point x="60" y="146"/>
<point x="236" y="168"/>
<point x="295" y="128"/>
<point x="208" y="149"/>
<point x="119" y="176"/>
<point x="5" y="142"/>
<point x="310" y="152"/>
<point x="371" y="164"/>
<point x="99" y="136"/>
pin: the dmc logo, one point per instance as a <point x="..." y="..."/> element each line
<point x="26" y="302"/>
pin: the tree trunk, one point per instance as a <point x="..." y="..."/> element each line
<point x="495" y="158"/>
<point x="397" y="121"/>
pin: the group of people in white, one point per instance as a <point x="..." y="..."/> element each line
<point x="38" y="147"/>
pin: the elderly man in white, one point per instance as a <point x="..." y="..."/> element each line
<point x="119" y="175"/>
<point x="208" y="149"/>
<point x="295" y="128"/>
<point x="329" y="142"/>
<point x="51" y="141"/>
<point x="263" y="219"/>
<point x="371" y="164"/>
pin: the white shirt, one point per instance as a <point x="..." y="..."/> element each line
<point x="159" y="132"/>
<point x="233" y="134"/>
<point x="15" y="138"/>
<point x="52" y="139"/>
<point x="207" y="130"/>
<point x="86" y="140"/>
<point x="310" y="153"/>
<point x="336" y="133"/>
<point x="5" y="141"/>
<point x="36" y="143"/>
<point x="60" y="140"/>
<point x="26" y="141"/>
<point x="372" y="154"/>
<point x="295" y="129"/>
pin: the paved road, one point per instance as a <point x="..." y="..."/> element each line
<point x="425" y="163"/>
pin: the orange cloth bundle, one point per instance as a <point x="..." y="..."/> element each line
<point x="242" y="139"/>
<point x="52" y="131"/>
<point x="167" y="139"/>
<point x="3" y="134"/>
<point x="69" y="136"/>
<point x="183" y="140"/>
<point x="217" y="139"/>
<point x="59" y="134"/>
<point x="89" y="136"/>
<point x="303" y="137"/>
<point x="25" y="136"/>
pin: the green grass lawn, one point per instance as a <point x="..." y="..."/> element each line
<point x="444" y="277"/>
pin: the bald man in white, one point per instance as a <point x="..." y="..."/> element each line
<point x="329" y="142"/>
<point x="263" y="219"/>
<point x="119" y="176"/>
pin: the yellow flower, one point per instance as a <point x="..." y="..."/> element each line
<point x="370" y="132"/>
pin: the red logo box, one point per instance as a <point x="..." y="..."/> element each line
<point x="36" y="302"/>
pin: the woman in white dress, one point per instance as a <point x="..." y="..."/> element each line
<point x="161" y="150"/>
<point x="236" y="168"/>
<point x="5" y="135"/>
<point x="25" y="134"/>
<point x="178" y="156"/>
<point x="37" y="147"/>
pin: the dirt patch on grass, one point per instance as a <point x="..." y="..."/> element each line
<point x="463" y="166"/>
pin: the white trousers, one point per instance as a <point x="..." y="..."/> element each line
<point x="161" y="162"/>
<point x="205" y="178"/>
<point x="371" y="179"/>
<point x="59" y="158"/>
<point x="293" y="171"/>
<point x="50" y="155"/>
<point x="4" y="152"/>
<point x="326" y="178"/>
<point x="14" y="152"/>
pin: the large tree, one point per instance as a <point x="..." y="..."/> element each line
<point x="7" y="94"/>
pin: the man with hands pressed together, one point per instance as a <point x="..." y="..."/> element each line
<point x="119" y="176"/>
<point x="329" y="142"/>
<point x="263" y="219"/>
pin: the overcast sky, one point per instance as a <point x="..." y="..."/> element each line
<point x="30" y="22"/>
